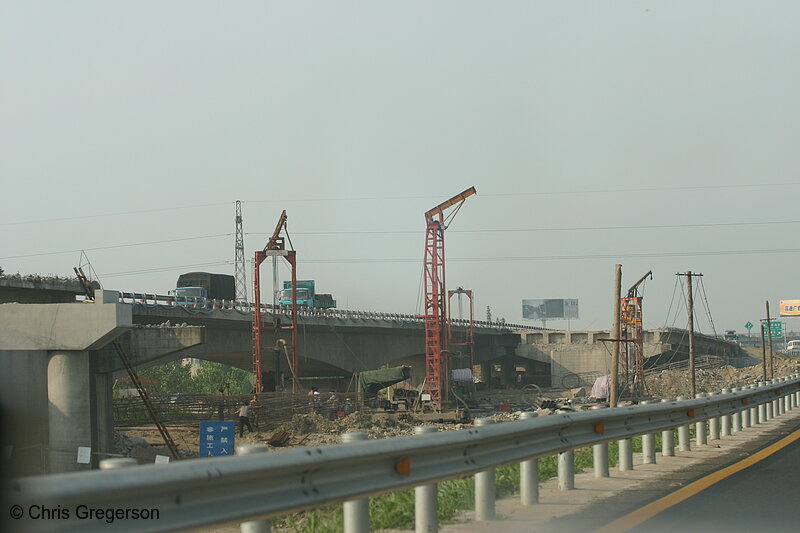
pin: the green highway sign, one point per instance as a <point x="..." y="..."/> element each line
<point x="776" y="328"/>
<point x="749" y="325"/>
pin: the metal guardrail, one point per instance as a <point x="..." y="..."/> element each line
<point x="206" y="304"/>
<point x="200" y="492"/>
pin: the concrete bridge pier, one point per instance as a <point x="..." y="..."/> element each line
<point x="69" y="395"/>
<point x="56" y="377"/>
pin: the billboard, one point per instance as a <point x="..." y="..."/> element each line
<point x="790" y="307"/>
<point x="549" y="309"/>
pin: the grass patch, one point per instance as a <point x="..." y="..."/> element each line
<point x="396" y="510"/>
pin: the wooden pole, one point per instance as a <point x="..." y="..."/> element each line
<point x="690" y="306"/>
<point x="612" y="401"/>
<point x="769" y="337"/>
<point x="763" y="355"/>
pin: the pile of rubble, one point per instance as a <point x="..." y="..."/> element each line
<point x="674" y="383"/>
<point x="123" y="444"/>
<point x="375" y="427"/>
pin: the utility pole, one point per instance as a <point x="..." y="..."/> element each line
<point x="769" y="336"/>
<point x="690" y="307"/>
<point x="240" y="279"/>
<point x="763" y="354"/>
<point x="612" y="401"/>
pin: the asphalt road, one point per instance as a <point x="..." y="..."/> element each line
<point x="764" y="497"/>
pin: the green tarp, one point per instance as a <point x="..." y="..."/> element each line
<point x="371" y="381"/>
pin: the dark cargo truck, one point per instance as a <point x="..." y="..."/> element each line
<point x="206" y="285"/>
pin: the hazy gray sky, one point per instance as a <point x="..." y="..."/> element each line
<point x="143" y="121"/>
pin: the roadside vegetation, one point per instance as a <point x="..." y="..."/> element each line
<point x="396" y="510"/>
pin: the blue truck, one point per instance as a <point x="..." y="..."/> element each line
<point x="204" y="285"/>
<point x="306" y="295"/>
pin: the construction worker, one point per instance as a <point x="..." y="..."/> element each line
<point x="244" y="418"/>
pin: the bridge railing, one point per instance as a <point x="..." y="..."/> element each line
<point x="201" y="492"/>
<point x="200" y="305"/>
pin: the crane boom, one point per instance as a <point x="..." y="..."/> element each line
<point x="632" y="290"/>
<point x="452" y="201"/>
<point x="274" y="240"/>
<point x="435" y="297"/>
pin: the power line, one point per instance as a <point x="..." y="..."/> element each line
<point x="393" y="198"/>
<point x="378" y="232"/>
<point x="164" y="269"/>
<point x="536" y="193"/>
<point x="494" y="259"/>
<point x="118" y="213"/>
<point x="113" y="246"/>
<point x="518" y="230"/>
<point x="568" y="257"/>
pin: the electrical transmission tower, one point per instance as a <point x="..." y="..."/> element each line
<point x="241" y="278"/>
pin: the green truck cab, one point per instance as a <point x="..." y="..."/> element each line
<point x="306" y="295"/>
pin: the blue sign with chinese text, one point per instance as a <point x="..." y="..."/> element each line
<point x="216" y="438"/>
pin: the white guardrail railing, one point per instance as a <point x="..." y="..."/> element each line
<point x="256" y="486"/>
<point x="191" y="303"/>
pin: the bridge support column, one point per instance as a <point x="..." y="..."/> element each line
<point x="529" y="474"/>
<point x="426" y="498"/>
<point x="486" y="374"/>
<point x="69" y="412"/>
<point x="356" y="512"/>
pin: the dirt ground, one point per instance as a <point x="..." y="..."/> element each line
<point x="312" y="429"/>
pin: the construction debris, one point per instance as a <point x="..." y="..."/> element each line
<point x="674" y="383"/>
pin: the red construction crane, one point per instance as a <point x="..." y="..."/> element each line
<point x="436" y="299"/>
<point x="275" y="247"/>
<point x="632" y="356"/>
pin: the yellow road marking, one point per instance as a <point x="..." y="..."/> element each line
<point x="639" y="516"/>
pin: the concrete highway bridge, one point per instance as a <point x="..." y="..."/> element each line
<point x="57" y="368"/>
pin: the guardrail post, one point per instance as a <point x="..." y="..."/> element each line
<point x="725" y="430"/>
<point x="625" y="454"/>
<point x="254" y="526"/>
<point x="356" y="512"/>
<point x="736" y="417"/>
<point x="754" y="409"/>
<point x="529" y="474"/>
<point x="667" y="439"/>
<point x="684" y="444"/>
<point x="797" y="395"/>
<point x="778" y="401"/>
<point x="426" y="498"/>
<point x="713" y="423"/>
<point x="566" y="470"/>
<point x="746" y="413"/>
<point x="770" y="405"/>
<point x="118" y="462"/>
<point x="787" y="399"/>
<point x="762" y="408"/>
<point x="648" y="445"/>
<point x="484" y="486"/>
<point x="700" y="427"/>
<point x="600" y="453"/>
